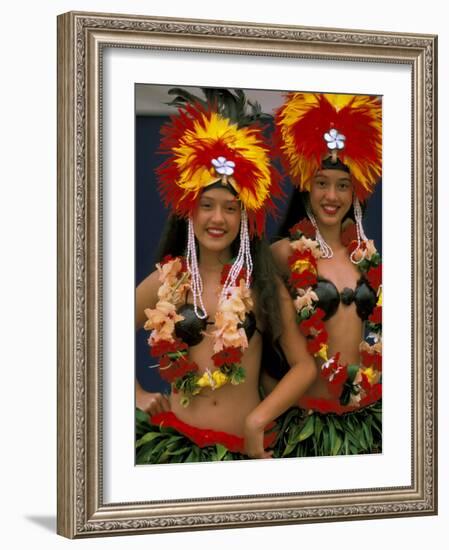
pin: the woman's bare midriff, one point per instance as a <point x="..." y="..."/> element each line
<point x="225" y="408"/>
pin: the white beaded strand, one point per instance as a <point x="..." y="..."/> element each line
<point x="192" y="264"/>
<point x="326" y="250"/>
<point x="358" y="218"/>
<point x="243" y="258"/>
<point x="361" y="237"/>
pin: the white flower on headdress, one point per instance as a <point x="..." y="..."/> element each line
<point x="223" y="166"/>
<point x="334" y="139"/>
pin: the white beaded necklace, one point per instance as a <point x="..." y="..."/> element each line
<point x="242" y="261"/>
<point x="192" y="264"/>
<point x="243" y="258"/>
<point x="326" y="249"/>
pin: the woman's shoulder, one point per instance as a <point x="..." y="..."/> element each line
<point x="151" y="281"/>
<point x="281" y="250"/>
<point x="170" y="266"/>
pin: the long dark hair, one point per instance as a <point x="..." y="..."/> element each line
<point x="265" y="273"/>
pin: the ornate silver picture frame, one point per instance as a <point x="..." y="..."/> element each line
<point x="85" y="507"/>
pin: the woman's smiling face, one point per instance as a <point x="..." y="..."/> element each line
<point x="330" y="196"/>
<point x="216" y="219"/>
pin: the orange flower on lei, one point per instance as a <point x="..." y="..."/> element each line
<point x="161" y="320"/>
<point x="303" y="243"/>
<point x="305" y="299"/>
<point x="365" y="252"/>
<point x="231" y="313"/>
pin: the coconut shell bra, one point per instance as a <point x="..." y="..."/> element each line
<point x="329" y="298"/>
<point x="191" y="328"/>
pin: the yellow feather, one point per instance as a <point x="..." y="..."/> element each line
<point x="241" y="140"/>
<point x="302" y="169"/>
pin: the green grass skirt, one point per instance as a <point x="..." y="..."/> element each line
<point x="301" y="434"/>
<point x="318" y="434"/>
<point x="161" y="445"/>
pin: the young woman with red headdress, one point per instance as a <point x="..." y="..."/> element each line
<point x="331" y="147"/>
<point x="215" y="292"/>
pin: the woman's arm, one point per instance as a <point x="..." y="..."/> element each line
<point x="281" y="251"/>
<point x="151" y="403"/>
<point x="290" y="388"/>
<point x="146" y="297"/>
<point x="267" y="382"/>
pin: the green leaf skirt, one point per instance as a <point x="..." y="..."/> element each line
<point x="301" y="434"/>
<point x="304" y="433"/>
<point x="162" y="444"/>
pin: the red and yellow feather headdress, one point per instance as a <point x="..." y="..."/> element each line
<point x="205" y="147"/>
<point x="311" y="127"/>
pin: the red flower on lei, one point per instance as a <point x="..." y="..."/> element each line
<point x="336" y="374"/>
<point x="162" y="347"/>
<point x="315" y="331"/>
<point x="241" y="276"/>
<point x="337" y="382"/>
<point x="371" y="360"/>
<point x="304" y="279"/>
<point x="374" y="277"/>
<point x="302" y="256"/>
<point x="178" y="368"/>
<point x="227" y="356"/>
<point x="305" y="227"/>
<point x="376" y="316"/>
<point x="168" y="258"/>
<point x="349" y="234"/>
<point x="373" y="394"/>
<point x="314" y="324"/>
<point x="305" y="275"/>
<point x="314" y="343"/>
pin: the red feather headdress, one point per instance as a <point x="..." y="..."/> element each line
<point x="206" y="147"/>
<point x="311" y="127"/>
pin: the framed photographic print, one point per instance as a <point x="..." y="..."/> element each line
<point x="160" y="111"/>
<point x="141" y="103"/>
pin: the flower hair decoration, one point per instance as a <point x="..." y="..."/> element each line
<point x="312" y="127"/>
<point x="217" y="141"/>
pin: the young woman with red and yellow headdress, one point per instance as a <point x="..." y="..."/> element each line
<point x="331" y="147"/>
<point x="215" y="291"/>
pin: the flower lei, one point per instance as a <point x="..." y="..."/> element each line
<point x="352" y="385"/>
<point x="230" y="338"/>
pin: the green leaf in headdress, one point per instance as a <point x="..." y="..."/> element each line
<point x="231" y="104"/>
